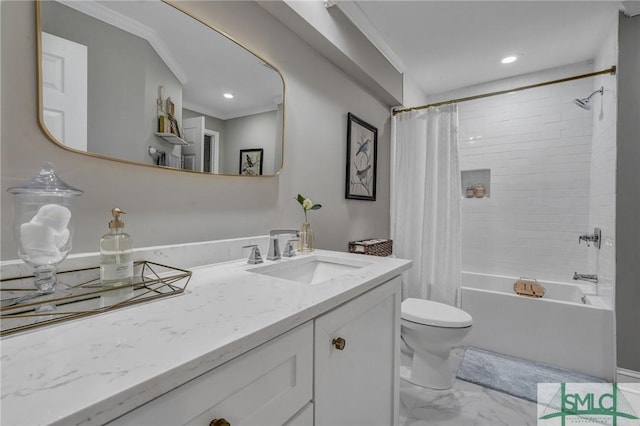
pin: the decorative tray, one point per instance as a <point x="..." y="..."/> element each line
<point x="79" y="293"/>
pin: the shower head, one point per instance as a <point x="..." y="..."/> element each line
<point x="585" y="103"/>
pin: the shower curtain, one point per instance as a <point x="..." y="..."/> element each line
<point x="425" y="202"/>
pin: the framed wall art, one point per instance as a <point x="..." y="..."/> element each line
<point x="251" y="161"/>
<point x="362" y="149"/>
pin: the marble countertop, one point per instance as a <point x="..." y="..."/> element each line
<point x="90" y="371"/>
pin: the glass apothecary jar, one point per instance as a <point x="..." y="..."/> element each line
<point x="43" y="224"/>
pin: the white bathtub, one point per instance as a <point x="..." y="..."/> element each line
<point x="566" y="328"/>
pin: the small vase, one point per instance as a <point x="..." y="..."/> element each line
<point x="306" y="242"/>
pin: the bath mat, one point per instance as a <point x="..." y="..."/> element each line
<point x="514" y="376"/>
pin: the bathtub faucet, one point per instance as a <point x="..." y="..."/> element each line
<point x="595" y="238"/>
<point x="586" y="277"/>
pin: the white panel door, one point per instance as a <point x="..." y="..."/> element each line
<point x="64" y="90"/>
<point x="193" y="129"/>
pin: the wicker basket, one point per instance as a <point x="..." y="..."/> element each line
<point x="372" y="247"/>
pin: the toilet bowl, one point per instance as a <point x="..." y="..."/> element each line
<point x="431" y="329"/>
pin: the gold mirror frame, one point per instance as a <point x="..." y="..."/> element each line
<point x="50" y="136"/>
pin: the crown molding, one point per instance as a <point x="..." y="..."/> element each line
<point x="357" y="16"/>
<point x="118" y="20"/>
<point x="631" y="8"/>
<point x="314" y="24"/>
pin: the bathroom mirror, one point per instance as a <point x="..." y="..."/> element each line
<point x="145" y="83"/>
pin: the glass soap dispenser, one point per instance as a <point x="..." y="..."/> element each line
<point x="116" y="256"/>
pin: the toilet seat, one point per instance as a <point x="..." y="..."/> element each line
<point x="435" y="314"/>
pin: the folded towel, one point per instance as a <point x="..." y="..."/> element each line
<point x="53" y="215"/>
<point x="46" y="234"/>
<point x="62" y="238"/>
<point x="40" y="243"/>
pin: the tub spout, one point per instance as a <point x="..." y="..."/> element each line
<point x="586" y="277"/>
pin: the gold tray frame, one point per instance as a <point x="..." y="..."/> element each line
<point x="79" y="293"/>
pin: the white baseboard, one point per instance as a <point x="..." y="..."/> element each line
<point x="628" y="376"/>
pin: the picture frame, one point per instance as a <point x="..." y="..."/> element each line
<point x="251" y="161"/>
<point x="173" y="126"/>
<point x="362" y="159"/>
<point x="170" y="107"/>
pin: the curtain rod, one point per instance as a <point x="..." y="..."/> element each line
<point x="611" y="70"/>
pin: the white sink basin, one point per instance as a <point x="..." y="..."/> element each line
<point x="310" y="270"/>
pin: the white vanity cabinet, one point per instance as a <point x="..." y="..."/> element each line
<point x="356" y="360"/>
<point x="339" y="369"/>
<point x="249" y="346"/>
<point x="269" y="385"/>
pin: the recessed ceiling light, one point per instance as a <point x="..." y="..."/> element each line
<point x="228" y="95"/>
<point x="509" y="59"/>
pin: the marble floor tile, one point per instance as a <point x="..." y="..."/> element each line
<point x="466" y="404"/>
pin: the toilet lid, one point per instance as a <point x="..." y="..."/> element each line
<point x="427" y="312"/>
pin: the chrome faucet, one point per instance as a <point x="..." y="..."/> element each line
<point x="274" y="244"/>
<point x="255" y="257"/>
<point x="595" y="238"/>
<point x="586" y="277"/>
<point x="289" y="249"/>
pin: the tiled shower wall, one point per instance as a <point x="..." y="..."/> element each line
<point x="538" y="146"/>
<point x="603" y="169"/>
<point x="602" y="190"/>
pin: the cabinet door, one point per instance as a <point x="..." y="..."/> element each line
<point x="303" y="418"/>
<point x="265" y="386"/>
<point x="359" y="384"/>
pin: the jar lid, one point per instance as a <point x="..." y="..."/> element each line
<point x="46" y="183"/>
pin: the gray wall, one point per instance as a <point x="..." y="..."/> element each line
<point x="628" y="196"/>
<point x="169" y="206"/>
<point x="251" y="131"/>
<point x="210" y="123"/>
<point x="124" y="73"/>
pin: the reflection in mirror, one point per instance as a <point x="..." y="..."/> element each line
<point x="143" y="82"/>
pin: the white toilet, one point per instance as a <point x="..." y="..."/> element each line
<point x="430" y="330"/>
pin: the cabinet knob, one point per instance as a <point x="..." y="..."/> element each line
<point x="219" y="422"/>
<point x="339" y="343"/>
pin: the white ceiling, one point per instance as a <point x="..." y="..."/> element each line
<point x="206" y="63"/>
<point x="446" y="45"/>
<point x="440" y="45"/>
